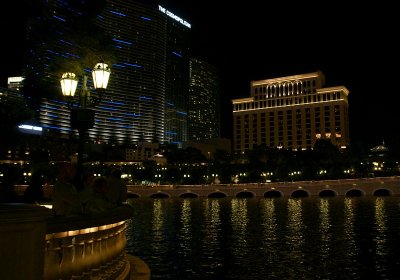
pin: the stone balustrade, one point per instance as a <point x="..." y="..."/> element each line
<point x="37" y="245"/>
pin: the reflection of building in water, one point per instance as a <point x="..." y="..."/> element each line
<point x="381" y="233"/>
<point x="291" y="112"/>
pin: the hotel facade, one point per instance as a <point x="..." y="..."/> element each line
<point x="291" y="112"/>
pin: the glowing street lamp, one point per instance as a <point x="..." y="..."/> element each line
<point x="82" y="118"/>
<point x="69" y="82"/>
<point x="101" y="74"/>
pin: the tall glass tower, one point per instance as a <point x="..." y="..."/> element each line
<point x="149" y="79"/>
<point x="177" y="78"/>
<point x="204" y="103"/>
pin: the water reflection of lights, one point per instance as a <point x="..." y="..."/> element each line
<point x="325" y="228"/>
<point x="269" y="219"/>
<point x="295" y="220"/>
<point x="212" y="221"/>
<point x="158" y="227"/>
<point x="185" y="234"/>
<point x="239" y="217"/>
<point x="239" y="223"/>
<point x="211" y="241"/>
<point x="270" y="237"/>
<point x="349" y="227"/>
<point x="295" y="235"/>
<point x="327" y="238"/>
<point x="381" y="235"/>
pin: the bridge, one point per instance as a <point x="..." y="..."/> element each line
<point x="381" y="186"/>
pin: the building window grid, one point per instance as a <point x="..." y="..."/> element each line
<point x="332" y="115"/>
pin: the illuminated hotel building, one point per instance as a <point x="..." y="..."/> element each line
<point x="148" y="78"/>
<point x="177" y="78"/>
<point x="204" y="113"/>
<point x="291" y="112"/>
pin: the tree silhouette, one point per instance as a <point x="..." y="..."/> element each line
<point x="75" y="45"/>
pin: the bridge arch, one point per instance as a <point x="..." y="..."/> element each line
<point x="272" y="194"/>
<point x="327" y="193"/>
<point x="245" y="194"/>
<point x="299" y="193"/>
<point x="217" y="195"/>
<point x="354" y="193"/>
<point x="188" y="195"/>
<point x="160" y="195"/>
<point x="382" y="192"/>
<point x="132" y="195"/>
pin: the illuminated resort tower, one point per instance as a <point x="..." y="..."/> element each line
<point x="291" y="112"/>
<point x="177" y="78"/>
<point x="149" y="42"/>
<point x="204" y="103"/>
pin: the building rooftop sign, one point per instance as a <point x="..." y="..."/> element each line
<point x="175" y="17"/>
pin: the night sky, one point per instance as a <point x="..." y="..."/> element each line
<point x="354" y="45"/>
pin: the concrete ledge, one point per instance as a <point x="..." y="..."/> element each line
<point x="139" y="269"/>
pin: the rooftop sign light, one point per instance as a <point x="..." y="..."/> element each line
<point x="175" y="17"/>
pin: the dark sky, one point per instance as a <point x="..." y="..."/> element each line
<point x="353" y="44"/>
<point x="12" y="27"/>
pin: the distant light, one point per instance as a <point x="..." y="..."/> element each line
<point x="31" y="129"/>
<point x="15" y="79"/>
<point x="118" y="13"/>
<point x="177" y="54"/>
<point x="175" y="17"/>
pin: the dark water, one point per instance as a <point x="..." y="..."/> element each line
<point x="264" y="238"/>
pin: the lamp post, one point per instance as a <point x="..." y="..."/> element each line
<point x="82" y="117"/>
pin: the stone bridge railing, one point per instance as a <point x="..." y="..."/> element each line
<point x="36" y="245"/>
<point x="344" y="187"/>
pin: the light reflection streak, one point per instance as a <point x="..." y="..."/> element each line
<point x="295" y="235"/>
<point x="212" y="223"/>
<point x="270" y="226"/>
<point x="239" y="222"/>
<point x="381" y="235"/>
<point x="211" y="243"/>
<point x="185" y="233"/>
<point x="325" y="233"/>
<point x="349" y="234"/>
<point x="158" y="218"/>
<point x="325" y="229"/>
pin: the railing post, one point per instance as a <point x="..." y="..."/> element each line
<point x="66" y="265"/>
<point x="79" y="254"/>
<point x="89" y="256"/>
<point x="52" y="258"/>
<point x="22" y="241"/>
